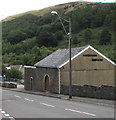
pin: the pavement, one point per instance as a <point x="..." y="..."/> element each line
<point x="103" y="102"/>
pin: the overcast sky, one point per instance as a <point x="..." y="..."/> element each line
<point x="12" y="7"/>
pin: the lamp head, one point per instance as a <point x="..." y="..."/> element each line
<point x="54" y="13"/>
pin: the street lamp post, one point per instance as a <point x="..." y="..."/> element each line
<point x="69" y="35"/>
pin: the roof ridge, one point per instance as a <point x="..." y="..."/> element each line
<point x="59" y="57"/>
<point x="73" y="47"/>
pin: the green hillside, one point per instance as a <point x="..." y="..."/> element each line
<point x="31" y="36"/>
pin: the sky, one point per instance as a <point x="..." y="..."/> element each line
<point x="13" y="7"/>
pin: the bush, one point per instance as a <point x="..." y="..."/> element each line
<point x="14" y="73"/>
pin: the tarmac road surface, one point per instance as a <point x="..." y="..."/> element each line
<point x="23" y="105"/>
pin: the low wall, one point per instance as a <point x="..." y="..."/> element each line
<point x="103" y="92"/>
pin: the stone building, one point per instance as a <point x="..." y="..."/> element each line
<point x="93" y="74"/>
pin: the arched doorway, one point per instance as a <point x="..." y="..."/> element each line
<point x="47" y="83"/>
<point x="31" y="83"/>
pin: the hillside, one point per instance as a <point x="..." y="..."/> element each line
<point x="59" y="8"/>
<point x="31" y="36"/>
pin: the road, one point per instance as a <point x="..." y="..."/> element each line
<point x="22" y="105"/>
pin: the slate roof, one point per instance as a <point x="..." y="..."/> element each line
<point x="59" y="57"/>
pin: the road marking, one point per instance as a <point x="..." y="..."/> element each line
<point x="80" y="112"/>
<point x="0" y="109"/>
<point x="17" y="96"/>
<point x="10" y="117"/>
<point x="3" y="112"/>
<point x="28" y="99"/>
<point x="47" y="105"/>
<point x="7" y="115"/>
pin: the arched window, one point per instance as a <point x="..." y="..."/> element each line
<point x="46" y="83"/>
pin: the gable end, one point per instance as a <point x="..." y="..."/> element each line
<point x="84" y="51"/>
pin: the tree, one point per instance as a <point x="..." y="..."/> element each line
<point x="56" y="26"/>
<point x="87" y="35"/>
<point x="105" y="37"/>
<point x="14" y="73"/>
<point x="27" y="59"/>
<point x="16" y="36"/>
<point x="75" y="23"/>
<point x="4" y="70"/>
<point x="46" y="39"/>
<point x="59" y="36"/>
<point x="110" y="20"/>
<point x="75" y="40"/>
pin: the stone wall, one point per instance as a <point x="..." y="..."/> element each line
<point x="38" y="75"/>
<point x="102" y="92"/>
<point x="28" y="73"/>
